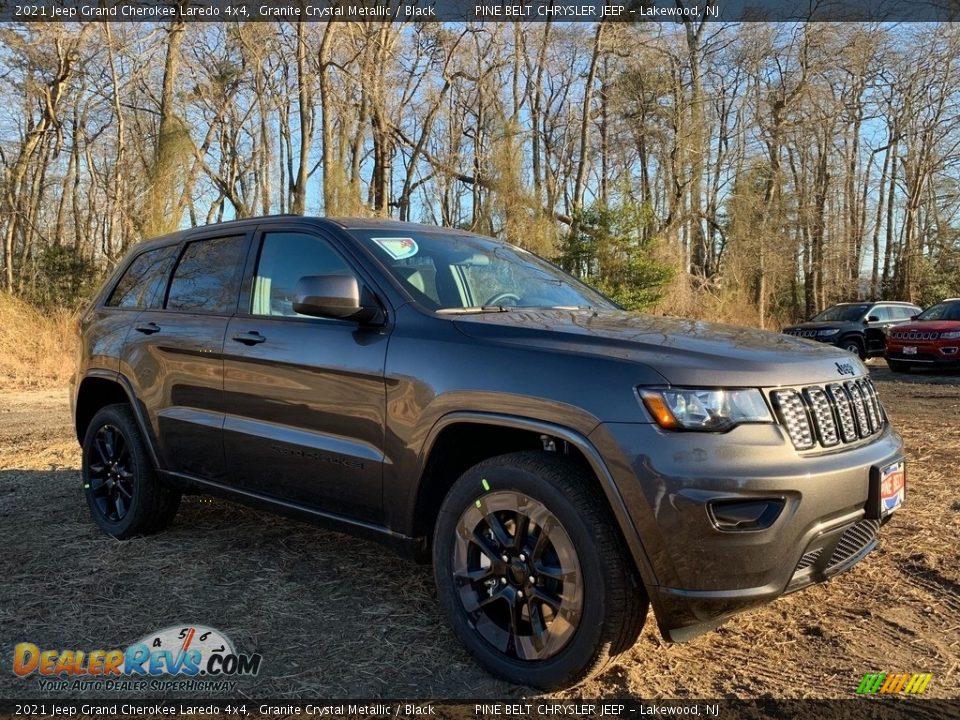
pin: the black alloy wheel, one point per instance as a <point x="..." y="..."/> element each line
<point x="110" y="475"/>
<point x="518" y="575"/>
<point x="532" y="571"/>
<point x="125" y="496"/>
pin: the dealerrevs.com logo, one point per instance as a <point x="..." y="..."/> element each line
<point x="183" y="657"/>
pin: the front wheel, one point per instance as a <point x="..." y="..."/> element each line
<point x="853" y="346"/>
<point x="123" y="492"/>
<point x="532" y="572"/>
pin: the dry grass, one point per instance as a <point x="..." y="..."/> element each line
<point x="37" y="349"/>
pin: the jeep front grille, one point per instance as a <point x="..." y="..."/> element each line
<point x="800" y="332"/>
<point x="914" y="335"/>
<point x="829" y="415"/>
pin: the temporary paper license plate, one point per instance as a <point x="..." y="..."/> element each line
<point x="892" y="487"/>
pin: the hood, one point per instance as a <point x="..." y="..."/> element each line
<point x="684" y="352"/>
<point x="927" y="326"/>
<point x="820" y="325"/>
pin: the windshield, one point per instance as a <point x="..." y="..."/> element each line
<point x="941" y="311"/>
<point x="842" y="313"/>
<point x="453" y="272"/>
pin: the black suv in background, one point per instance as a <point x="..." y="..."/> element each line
<point x="859" y="328"/>
<point x="563" y="463"/>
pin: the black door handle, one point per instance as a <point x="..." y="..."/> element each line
<point x="148" y="328"/>
<point x="249" y="338"/>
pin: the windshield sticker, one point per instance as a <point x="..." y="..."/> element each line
<point x="399" y="248"/>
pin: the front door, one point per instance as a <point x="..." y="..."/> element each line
<point x="879" y="321"/>
<point x="305" y="396"/>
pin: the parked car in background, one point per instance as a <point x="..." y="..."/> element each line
<point x="858" y="328"/>
<point x="931" y="339"/>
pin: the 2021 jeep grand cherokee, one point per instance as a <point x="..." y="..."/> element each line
<point x="565" y="463"/>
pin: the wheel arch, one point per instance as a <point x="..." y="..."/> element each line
<point x="515" y="433"/>
<point x="856" y="337"/>
<point x="99" y="389"/>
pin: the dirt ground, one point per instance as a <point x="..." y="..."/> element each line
<point x="338" y="617"/>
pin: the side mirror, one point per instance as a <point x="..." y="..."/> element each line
<point x="334" y="296"/>
<point x="872" y="318"/>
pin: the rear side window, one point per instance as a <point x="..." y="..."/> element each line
<point x="285" y="258"/>
<point x="144" y="281"/>
<point x="207" y="279"/>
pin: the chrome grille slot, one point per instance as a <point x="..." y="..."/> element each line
<point x="823" y="416"/>
<point x="872" y="414"/>
<point x="859" y="409"/>
<point x="841" y="401"/>
<point x="793" y="415"/>
<point x="829" y="415"/>
<point x="875" y="399"/>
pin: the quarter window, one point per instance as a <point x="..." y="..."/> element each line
<point x="144" y="281"/>
<point x="207" y="279"/>
<point x="285" y="258"/>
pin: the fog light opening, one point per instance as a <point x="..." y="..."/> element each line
<point x="739" y="515"/>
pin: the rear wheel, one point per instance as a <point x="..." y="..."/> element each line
<point x="532" y="572"/>
<point x="123" y="492"/>
<point x="898" y="366"/>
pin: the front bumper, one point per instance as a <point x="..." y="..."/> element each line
<point x="942" y="355"/>
<point x="702" y="573"/>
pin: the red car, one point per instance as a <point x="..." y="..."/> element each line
<point x="931" y="339"/>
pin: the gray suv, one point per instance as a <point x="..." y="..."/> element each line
<point x="563" y="463"/>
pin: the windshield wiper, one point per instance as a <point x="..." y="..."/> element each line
<point x="475" y="310"/>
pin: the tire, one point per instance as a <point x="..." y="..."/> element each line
<point x="898" y="366"/>
<point x="854" y="346"/>
<point x="602" y="607"/>
<point x="124" y="494"/>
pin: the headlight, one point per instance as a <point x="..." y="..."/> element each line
<point x="706" y="410"/>
<point x="828" y="333"/>
<point x="950" y="335"/>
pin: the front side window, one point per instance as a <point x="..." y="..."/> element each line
<point x="144" y="281"/>
<point x="285" y="257"/>
<point x="207" y="279"/>
<point x="454" y="272"/>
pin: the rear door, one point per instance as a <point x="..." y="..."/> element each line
<point x="305" y="397"/>
<point x="173" y="355"/>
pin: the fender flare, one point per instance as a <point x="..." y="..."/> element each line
<point x="117" y="378"/>
<point x="610" y="490"/>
